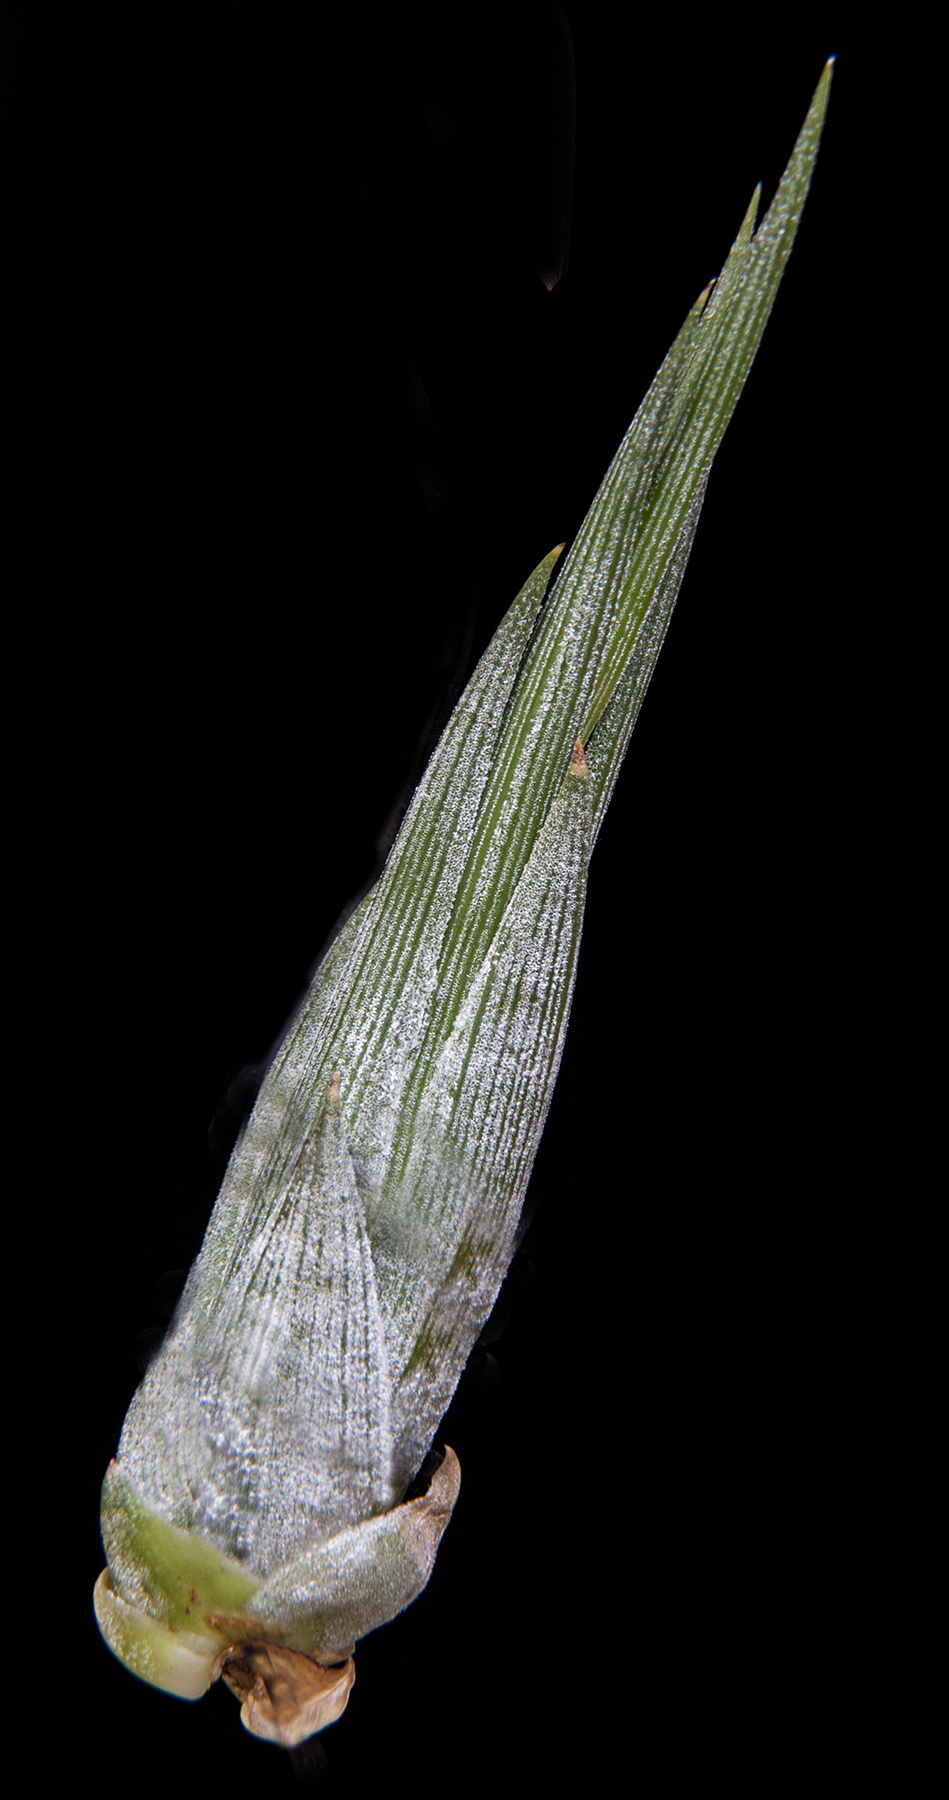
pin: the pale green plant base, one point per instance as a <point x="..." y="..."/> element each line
<point x="172" y="1608"/>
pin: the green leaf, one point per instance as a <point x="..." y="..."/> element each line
<point x="632" y="546"/>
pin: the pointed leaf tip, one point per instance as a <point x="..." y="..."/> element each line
<point x="746" y="232"/>
<point x="818" y="106"/>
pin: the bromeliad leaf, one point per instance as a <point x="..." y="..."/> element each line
<point x="275" y="1385"/>
<point x="470" y="1125"/>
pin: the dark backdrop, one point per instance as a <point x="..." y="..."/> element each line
<point x="310" y="386"/>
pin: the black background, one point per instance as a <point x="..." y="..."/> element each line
<point x="296" y="417"/>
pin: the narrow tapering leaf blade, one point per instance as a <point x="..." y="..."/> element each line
<point x="444" y="1230"/>
<point x="368" y="1003"/>
<point x="622" y="556"/>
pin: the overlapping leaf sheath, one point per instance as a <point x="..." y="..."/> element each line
<point x="370" y="1209"/>
<point x="364" y="1021"/>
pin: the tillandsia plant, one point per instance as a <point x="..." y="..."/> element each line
<point x="272" y="1501"/>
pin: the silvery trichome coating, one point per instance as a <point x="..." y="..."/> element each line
<point x="264" y="1510"/>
